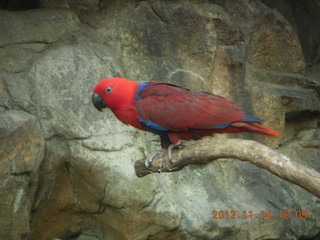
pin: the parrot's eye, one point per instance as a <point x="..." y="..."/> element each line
<point x="108" y="89"/>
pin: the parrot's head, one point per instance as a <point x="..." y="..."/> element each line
<point x="113" y="93"/>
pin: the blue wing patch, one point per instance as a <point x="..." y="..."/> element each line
<point x="222" y="125"/>
<point x="251" y="118"/>
<point x="140" y="88"/>
<point x="152" y="125"/>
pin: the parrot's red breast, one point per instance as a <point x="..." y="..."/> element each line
<point x="171" y="111"/>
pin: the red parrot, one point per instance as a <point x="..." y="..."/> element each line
<point x="173" y="112"/>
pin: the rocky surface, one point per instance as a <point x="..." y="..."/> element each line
<point x="21" y="151"/>
<point x="67" y="170"/>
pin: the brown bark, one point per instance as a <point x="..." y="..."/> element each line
<point x="244" y="150"/>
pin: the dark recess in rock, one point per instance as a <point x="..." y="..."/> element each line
<point x="300" y="116"/>
<point x="18" y="5"/>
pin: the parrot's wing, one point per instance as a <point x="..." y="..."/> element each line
<point x="162" y="106"/>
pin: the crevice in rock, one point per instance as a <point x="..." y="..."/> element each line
<point x="19" y="5"/>
<point x="300" y="116"/>
<point x="311" y="238"/>
<point x="102" y="205"/>
<point x="25" y="173"/>
<point x="155" y="12"/>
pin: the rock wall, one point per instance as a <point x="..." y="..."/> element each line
<point x="66" y="170"/>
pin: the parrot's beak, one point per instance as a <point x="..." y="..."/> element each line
<point x="98" y="102"/>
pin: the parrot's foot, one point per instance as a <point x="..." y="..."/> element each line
<point x="152" y="155"/>
<point x="150" y="158"/>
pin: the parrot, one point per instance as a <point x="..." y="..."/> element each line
<point x="172" y="112"/>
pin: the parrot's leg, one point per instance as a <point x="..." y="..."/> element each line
<point x="150" y="158"/>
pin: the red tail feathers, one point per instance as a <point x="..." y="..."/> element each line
<point x="256" y="128"/>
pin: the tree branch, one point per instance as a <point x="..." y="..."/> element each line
<point x="244" y="150"/>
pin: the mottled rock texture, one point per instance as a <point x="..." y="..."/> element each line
<point x="21" y="153"/>
<point x="67" y="171"/>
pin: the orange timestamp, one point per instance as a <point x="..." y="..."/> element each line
<point x="300" y="214"/>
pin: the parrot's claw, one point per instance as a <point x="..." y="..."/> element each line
<point x="150" y="158"/>
<point x="170" y="148"/>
